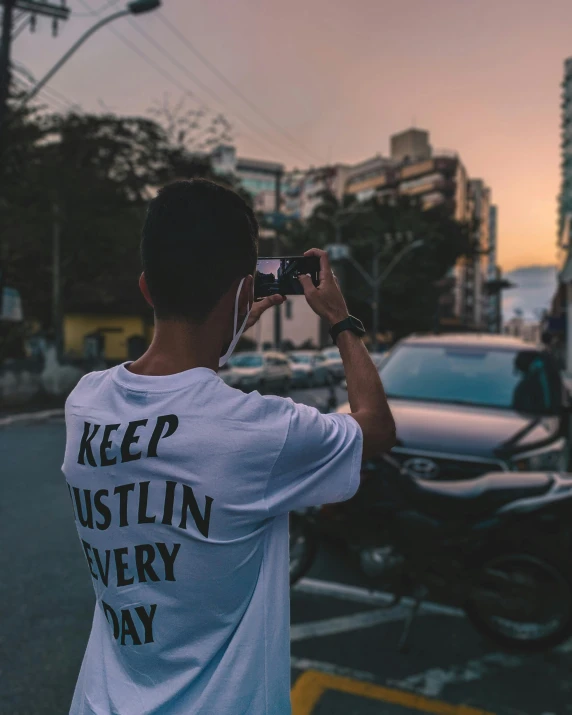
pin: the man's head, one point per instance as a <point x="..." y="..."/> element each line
<point x="199" y="239"/>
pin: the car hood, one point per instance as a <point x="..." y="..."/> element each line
<point x="461" y="429"/>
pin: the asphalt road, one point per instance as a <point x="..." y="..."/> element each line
<point x="344" y="646"/>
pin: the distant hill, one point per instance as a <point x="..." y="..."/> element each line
<point x="535" y="286"/>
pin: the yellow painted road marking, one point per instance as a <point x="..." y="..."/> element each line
<point x="311" y="685"/>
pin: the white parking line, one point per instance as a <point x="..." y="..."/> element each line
<point x="431" y="682"/>
<point x="345" y="592"/>
<point x="342" y="624"/>
<point x="30" y="417"/>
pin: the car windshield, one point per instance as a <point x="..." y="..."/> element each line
<point x="305" y="359"/>
<point x="246" y="361"/>
<point x="332" y="354"/>
<point x="522" y="381"/>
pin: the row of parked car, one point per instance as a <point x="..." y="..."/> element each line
<point x="278" y="372"/>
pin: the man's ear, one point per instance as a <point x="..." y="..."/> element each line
<point x="144" y="289"/>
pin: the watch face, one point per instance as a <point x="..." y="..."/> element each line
<point x="357" y="324"/>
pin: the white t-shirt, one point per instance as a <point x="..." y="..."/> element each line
<point x="181" y="488"/>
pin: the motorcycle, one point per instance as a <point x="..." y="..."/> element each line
<point x="499" y="546"/>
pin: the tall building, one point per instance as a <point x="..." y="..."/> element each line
<point x="439" y="178"/>
<point x="473" y="309"/>
<point x="410" y="145"/>
<point x="262" y="179"/>
<point x="494" y="275"/>
<point x="565" y="197"/>
<point x="303" y="189"/>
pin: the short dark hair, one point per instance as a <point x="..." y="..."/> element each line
<point x="198" y="238"/>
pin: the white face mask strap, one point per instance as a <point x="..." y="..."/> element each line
<point x="236" y="333"/>
<point x="236" y="306"/>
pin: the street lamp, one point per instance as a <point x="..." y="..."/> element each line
<point x="375" y="280"/>
<point x="136" y="7"/>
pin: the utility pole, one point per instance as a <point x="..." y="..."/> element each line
<point x="375" y="280"/>
<point x="35" y="8"/>
<point x="277" y="308"/>
<point x="340" y="267"/>
<point x="56" y="278"/>
<point x="5" y="47"/>
<point x="375" y="300"/>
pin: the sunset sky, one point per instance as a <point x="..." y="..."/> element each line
<point x="483" y="76"/>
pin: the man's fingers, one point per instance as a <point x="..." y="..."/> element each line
<point x="262" y="305"/>
<point x="307" y="284"/>
<point x="325" y="268"/>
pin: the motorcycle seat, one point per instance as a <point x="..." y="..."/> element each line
<point x="478" y="497"/>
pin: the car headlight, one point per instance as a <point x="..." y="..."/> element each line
<point x="550" y="459"/>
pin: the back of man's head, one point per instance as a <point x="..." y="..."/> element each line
<point x="198" y="238"/>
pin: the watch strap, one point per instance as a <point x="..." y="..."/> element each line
<point x="349" y="323"/>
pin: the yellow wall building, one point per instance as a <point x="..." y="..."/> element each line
<point x="114" y="330"/>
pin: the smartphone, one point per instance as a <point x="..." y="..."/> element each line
<point x="280" y="275"/>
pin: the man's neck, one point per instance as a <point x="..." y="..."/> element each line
<point x="178" y="346"/>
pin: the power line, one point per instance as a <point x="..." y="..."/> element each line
<point x="98" y="11"/>
<point x="23" y="70"/>
<point x="213" y="68"/>
<point x="18" y="31"/>
<point x="53" y="103"/>
<point x="204" y="86"/>
<point x="51" y="92"/>
<point x="167" y="75"/>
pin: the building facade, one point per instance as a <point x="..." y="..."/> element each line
<point x="565" y="196"/>
<point x="494" y="276"/>
<point x="261" y="179"/>
<point x="410" y="145"/>
<point x="302" y="190"/>
<point x="300" y="326"/>
<point x="474" y="297"/>
<point x="412" y="170"/>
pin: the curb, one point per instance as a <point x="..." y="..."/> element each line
<point x="31" y="417"/>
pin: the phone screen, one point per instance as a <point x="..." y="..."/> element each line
<point x="280" y="275"/>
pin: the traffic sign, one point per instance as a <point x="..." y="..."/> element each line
<point x="337" y="251"/>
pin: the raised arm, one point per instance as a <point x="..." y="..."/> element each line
<point x="367" y="398"/>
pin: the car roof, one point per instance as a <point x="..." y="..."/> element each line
<point x="471" y="340"/>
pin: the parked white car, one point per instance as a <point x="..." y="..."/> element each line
<point x="333" y="363"/>
<point x="309" y="368"/>
<point x="262" y="371"/>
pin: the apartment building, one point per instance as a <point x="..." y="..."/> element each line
<point x="262" y="179"/>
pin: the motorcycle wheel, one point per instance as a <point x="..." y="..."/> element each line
<point x="303" y="547"/>
<point x="521" y="602"/>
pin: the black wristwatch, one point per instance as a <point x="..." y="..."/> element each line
<point x="349" y="323"/>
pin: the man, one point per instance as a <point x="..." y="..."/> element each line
<point x="181" y="486"/>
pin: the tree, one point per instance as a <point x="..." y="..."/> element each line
<point x="409" y="296"/>
<point x="96" y="173"/>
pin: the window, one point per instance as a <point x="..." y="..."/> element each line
<point x="524" y="381"/>
<point x="289" y="310"/>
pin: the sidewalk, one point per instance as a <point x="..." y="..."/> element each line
<point x="7" y="419"/>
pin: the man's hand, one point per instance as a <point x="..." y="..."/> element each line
<point x="260" y="306"/>
<point x="326" y="300"/>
